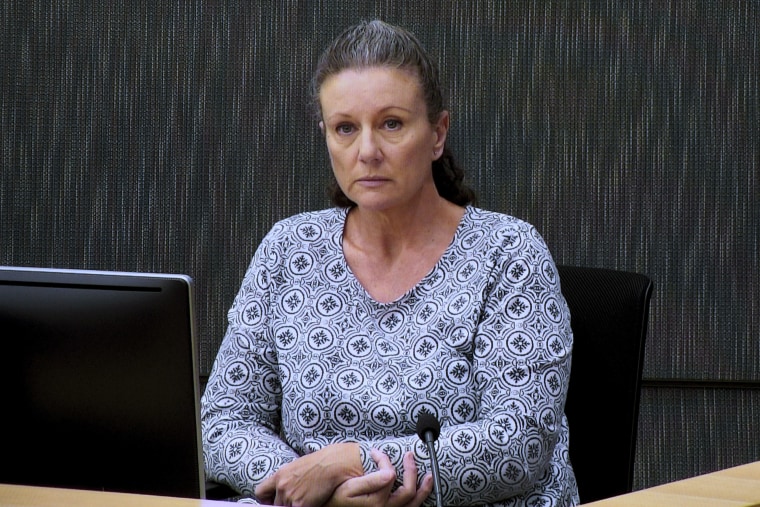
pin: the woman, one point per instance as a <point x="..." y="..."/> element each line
<point x="401" y="299"/>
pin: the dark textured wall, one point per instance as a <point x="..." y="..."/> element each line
<point x="168" y="136"/>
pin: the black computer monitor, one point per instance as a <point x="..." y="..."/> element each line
<point x="98" y="382"/>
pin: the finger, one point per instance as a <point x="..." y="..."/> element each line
<point x="410" y="471"/>
<point x="369" y="484"/>
<point x="370" y="489"/>
<point x="265" y="490"/>
<point x="408" y="489"/>
<point x="382" y="459"/>
<point x="425" y="489"/>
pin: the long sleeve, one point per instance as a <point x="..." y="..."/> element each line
<point x="240" y="409"/>
<point x="507" y="435"/>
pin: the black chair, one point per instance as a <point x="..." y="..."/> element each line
<point x="609" y="314"/>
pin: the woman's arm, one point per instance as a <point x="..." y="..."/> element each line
<point x="513" y="407"/>
<point x="242" y="405"/>
<point x="241" y="442"/>
<point x="240" y="409"/>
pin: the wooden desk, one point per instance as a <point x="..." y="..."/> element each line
<point x="32" y="496"/>
<point x="732" y="487"/>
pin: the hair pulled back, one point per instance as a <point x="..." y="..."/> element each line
<point x="379" y="44"/>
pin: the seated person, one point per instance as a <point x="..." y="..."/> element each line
<point x="401" y="299"/>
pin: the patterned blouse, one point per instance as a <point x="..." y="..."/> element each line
<point x="483" y="342"/>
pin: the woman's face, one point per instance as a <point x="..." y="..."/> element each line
<point x="378" y="135"/>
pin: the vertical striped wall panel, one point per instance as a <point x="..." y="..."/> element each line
<point x="695" y="429"/>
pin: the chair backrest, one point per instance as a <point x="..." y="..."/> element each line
<point x="609" y="314"/>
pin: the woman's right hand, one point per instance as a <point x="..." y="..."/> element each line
<point x="312" y="479"/>
<point x="374" y="489"/>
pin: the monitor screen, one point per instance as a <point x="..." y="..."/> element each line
<point x="98" y="382"/>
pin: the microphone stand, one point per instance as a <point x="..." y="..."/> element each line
<point x="428" y="429"/>
<point x="436" y="473"/>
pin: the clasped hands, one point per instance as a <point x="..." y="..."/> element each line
<point x="334" y="477"/>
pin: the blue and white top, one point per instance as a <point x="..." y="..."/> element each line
<point x="483" y="342"/>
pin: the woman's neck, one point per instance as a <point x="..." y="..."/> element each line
<point x="389" y="254"/>
<point x="398" y="230"/>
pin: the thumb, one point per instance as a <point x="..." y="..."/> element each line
<point x="265" y="490"/>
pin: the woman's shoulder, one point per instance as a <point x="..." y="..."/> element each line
<point x="303" y="232"/>
<point x="309" y="225"/>
<point x="500" y="233"/>
<point x="495" y="222"/>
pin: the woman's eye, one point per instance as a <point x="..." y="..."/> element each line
<point x="392" y="124"/>
<point x="344" y="129"/>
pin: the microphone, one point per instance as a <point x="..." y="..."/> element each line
<point x="428" y="429"/>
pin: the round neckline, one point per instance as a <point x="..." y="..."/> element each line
<point x="420" y="283"/>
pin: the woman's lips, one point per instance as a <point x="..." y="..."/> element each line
<point x="371" y="182"/>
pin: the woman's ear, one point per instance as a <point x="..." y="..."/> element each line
<point x="441" y="128"/>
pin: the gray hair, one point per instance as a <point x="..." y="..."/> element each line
<point x="379" y="44"/>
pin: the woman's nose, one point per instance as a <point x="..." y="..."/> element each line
<point x="369" y="149"/>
